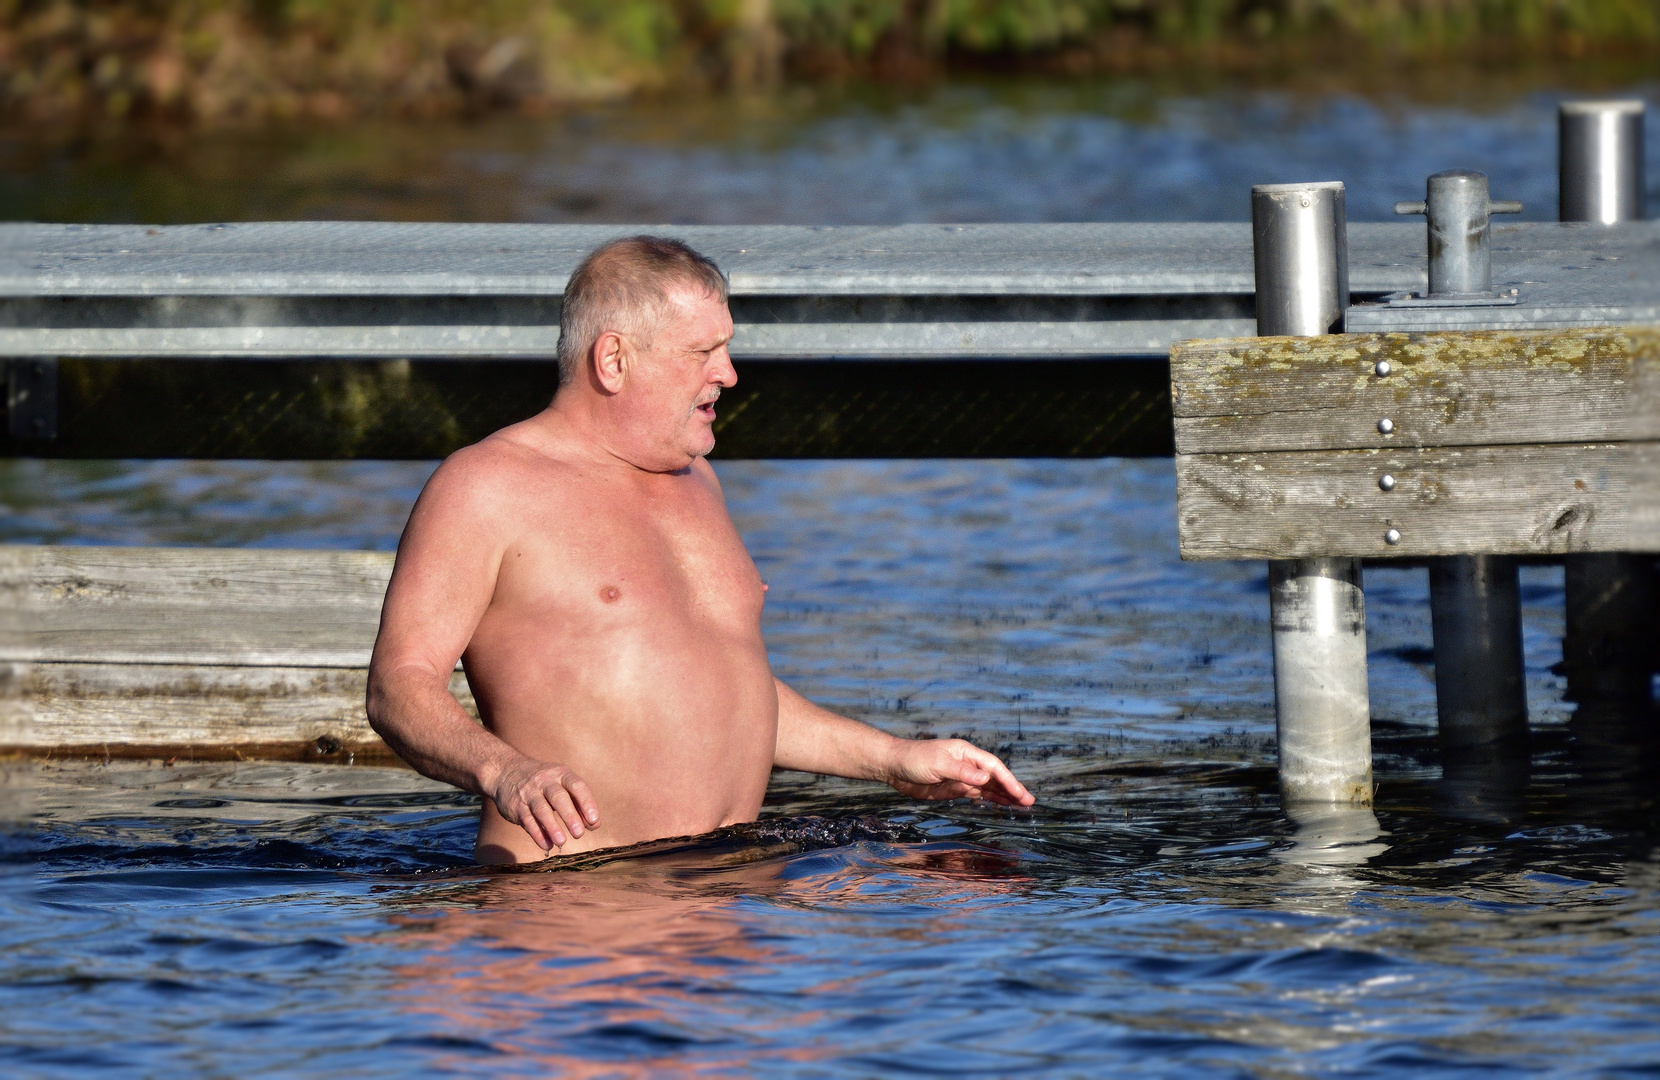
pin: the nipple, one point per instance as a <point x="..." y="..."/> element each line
<point x="610" y="594"/>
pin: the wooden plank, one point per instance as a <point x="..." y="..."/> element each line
<point x="1536" y="500"/>
<point x="312" y="609"/>
<point x="192" y="710"/>
<point x="1484" y="388"/>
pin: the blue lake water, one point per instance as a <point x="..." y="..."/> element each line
<point x="1023" y="151"/>
<point x="1157" y="912"/>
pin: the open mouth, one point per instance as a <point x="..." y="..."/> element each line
<point x="705" y="409"/>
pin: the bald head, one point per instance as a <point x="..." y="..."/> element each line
<point x="625" y="286"/>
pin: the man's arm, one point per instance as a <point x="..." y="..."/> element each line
<point x="814" y="739"/>
<point x="441" y="586"/>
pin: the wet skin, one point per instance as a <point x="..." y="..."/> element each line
<point x="583" y="567"/>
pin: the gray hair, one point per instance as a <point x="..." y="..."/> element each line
<point x="624" y="286"/>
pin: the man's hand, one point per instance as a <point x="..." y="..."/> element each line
<point x="550" y="802"/>
<point x="954" y="769"/>
<point x="814" y="739"/>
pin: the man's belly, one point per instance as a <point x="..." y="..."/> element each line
<point x="674" y="733"/>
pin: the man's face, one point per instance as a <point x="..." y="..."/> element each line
<point x="677" y="378"/>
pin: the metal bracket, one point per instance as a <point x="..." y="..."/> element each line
<point x="1503" y="298"/>
<point x="32" y="398"/>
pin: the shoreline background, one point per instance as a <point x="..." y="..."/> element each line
<point x="79" y="65"/>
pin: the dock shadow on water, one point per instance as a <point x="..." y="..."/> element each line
<point x="1157" y="911"/>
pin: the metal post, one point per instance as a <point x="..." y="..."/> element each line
<point x="1601" y="161"/>
<point x="1610" y="595"/>
<point x="1317" y="606"/>
<point x="1608" y="649"/>
<point x="1300" y="236"/>
<point x="1480" y="693"/>
<point x="1475" y="600"/>
<point x="1324" y="720"/>
<point x="1459" y="207"/>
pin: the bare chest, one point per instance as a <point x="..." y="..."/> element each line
<point x="608" y="553"/>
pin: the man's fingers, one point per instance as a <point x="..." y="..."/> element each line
<point x="992" y="774"/>
<point x="1017" y="792"/>
<point x="548" y="818"/>
<point x="945" y="789"/>
<point x="527" y="821"/>
<point x="971" y="769"/>
<point x="560" y="800"/>
<point x="583" y="796"/>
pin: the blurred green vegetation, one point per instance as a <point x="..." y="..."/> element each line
<point x="252" y="60"/>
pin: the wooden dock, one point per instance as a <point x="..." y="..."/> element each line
<point x="1524" y="421"/>
<point x="190" y="653"/>
<point x="363" y="340"/>
<point x="1494" y="442"/>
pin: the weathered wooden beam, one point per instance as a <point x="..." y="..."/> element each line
<point x="328" y="409"/>
<point x="200" y="606"/>
<point x="1500" y="500"/>
<point x="194" y="652"/>
<point x="1481" y="388"/>
<point x="200" y="711"/>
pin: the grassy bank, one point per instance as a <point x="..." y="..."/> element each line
<point x="246" y="61"/>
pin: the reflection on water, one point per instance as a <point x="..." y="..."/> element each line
<point x="1156" y="910"/>
<point x="623" y="958"/>
<point x="1333" y="835"/>
<point x="1170" y="918"/>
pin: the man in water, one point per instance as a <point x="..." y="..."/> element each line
<point x="583" y="567"/>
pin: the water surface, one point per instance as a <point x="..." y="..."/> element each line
<point x="1157" y="911"/>
<point x="1121" y="150"/>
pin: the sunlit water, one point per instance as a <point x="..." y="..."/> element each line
<point x="1112" y="151"/>
<point x="1157" y="910"/>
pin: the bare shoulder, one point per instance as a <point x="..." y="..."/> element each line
<point x="459" y="516"/>
<point x="491" y="479"/>
<point x="704" y="474"/>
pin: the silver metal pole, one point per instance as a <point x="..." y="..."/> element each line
<point x="1610" y="595"/>
<point x="1322" y="713"/>
<point x="1317" y="606"/>
<point x="1601" y="161"/>
<point x="1301" y="241"/>
<point x="1474" y="600"/>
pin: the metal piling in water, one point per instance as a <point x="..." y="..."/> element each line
<point x="1317" y="606"/>
<point x="1475" y="600"/>
<point x="1610" y="595"/>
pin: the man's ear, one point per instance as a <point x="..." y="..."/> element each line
<point x="612" y="357"/>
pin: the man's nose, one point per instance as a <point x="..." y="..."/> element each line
<point x="723" y="373"/>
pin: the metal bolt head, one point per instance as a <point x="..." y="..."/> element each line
<point x="1386" y="482"/>
<point x="1392" y="537"/>
<point x="1386" y="426"/>
<point x="1382" y="368"/>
